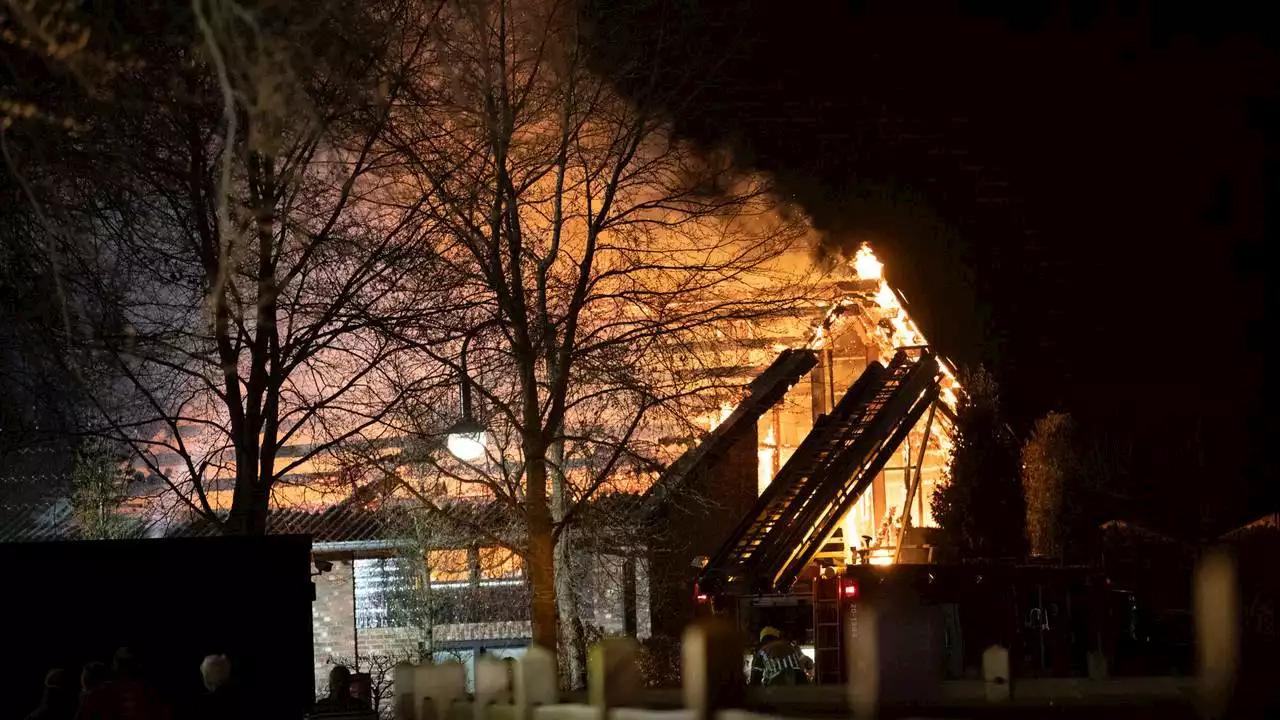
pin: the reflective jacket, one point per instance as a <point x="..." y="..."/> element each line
<point x="779" y="662"/>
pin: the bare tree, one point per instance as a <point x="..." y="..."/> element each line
<point x="599" y="262"/>
<point x="235" y="232"/>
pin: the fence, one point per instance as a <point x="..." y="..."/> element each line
<point x="884" y="681"/>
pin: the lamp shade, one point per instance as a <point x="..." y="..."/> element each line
<point x="466" y="440"/>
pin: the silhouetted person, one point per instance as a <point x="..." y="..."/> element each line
<point x="125" y="696"/>
<point x="224" y="700"/>
<point x="59" y="701"/>
<point x="778" y="661"/>
<point x="93" y="676"/>
<point x="340" y="698"/>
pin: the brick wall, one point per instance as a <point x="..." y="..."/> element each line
<point x="395" y="642"/>
<point x="697" y="525"/>
<point x="336" y="637"/>
<point x="333" y="623"/>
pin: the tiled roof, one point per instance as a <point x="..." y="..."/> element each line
<point x="28" y="516"/>
<point x="325" y="526"/>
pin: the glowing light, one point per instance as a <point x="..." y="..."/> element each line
<point x="880" y="556"/>
<point x="765" y="454"/>
<point x="886" y="298"/>
<point x="466" y="446"/>
<point x="819" y="339"/>
<point x="866" y="264"/>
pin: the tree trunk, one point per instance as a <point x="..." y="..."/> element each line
<point x="572" y="648"/>
<point x="540" y="553"/>
<point x="250" y="505"/>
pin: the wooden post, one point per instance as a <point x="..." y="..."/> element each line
<point x="613" y="678"/>
<point x="535" y="681"/>
<point x="436" y="687"/>
<point x="402" y="686"/>
<point x="995" y="673"/>
<point x="1217" y="610"/>
<point x="493" y="685"/>
<point x="863" y="661"/>
<point x="915" y="482"/>
<point x="712" y="669"/>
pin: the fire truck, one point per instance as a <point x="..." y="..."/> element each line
<point x="771" y="571"/>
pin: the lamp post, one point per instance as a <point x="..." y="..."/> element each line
<point x="466" y="438"/>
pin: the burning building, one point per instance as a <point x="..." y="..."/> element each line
<point x="829" y="460"/>
<point x="800" y="367"/>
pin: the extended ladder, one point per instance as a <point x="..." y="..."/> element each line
<point x="797" y="512"/>
<point x="854" y="469"/>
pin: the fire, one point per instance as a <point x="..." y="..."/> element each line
<point x="717" y="418"/>
<point x="725" y="411"/>
<point x="894" y="326"/>
<point x="886" y="298"/>
<point x="866" y="264"/>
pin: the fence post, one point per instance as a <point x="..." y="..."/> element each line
<point x="995" y="673"/>
<point x="613" y="678"/>
<point x="535" y="681"/>
<point x="863" y="661"/>
<point x="712" y="668"/>
<point x="435" y="688"/>
<point x="1217" y="613"/>
<point x="493" y="685"/>
<point x="402" y="686"/>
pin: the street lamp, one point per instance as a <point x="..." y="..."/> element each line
<point x="466" y="438"/>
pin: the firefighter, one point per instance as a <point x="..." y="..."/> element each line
<point x="778" y="661"/>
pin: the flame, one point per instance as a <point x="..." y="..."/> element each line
<point x="726" y="409"/>
<point x="901" y="330"/>
<point x="866" y="264"/>
<point x="880" y="556"/>
<point x="819" y="339"/>
<point x="886" y="298"/>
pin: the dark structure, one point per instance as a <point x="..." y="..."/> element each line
<point x="721" y="473"/>
<point x="173" y="602"/>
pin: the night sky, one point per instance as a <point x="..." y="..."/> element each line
<point x="1071" y="194"/>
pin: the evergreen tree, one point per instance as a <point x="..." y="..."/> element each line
<point x="1051" y="471"/>
<point x="981" y="512"/>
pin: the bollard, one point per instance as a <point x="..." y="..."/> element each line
<point x="711" y="671"/>
<point x="402" y="688"/>
<point x="613" y="677"/>
<point x="995" y="673"/>
<point x="436" y="687"/>
<point x="535" y="681"/>
<point x="1217" y="612"/>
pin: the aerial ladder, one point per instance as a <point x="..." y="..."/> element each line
<point x="833" y="466"/>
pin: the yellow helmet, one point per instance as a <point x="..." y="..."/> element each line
<point x="770" y="630"/>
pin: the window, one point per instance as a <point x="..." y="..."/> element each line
<point x="449" y="566"/>
<point x="498" y="563"/>
<point x="378" y="582"/>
